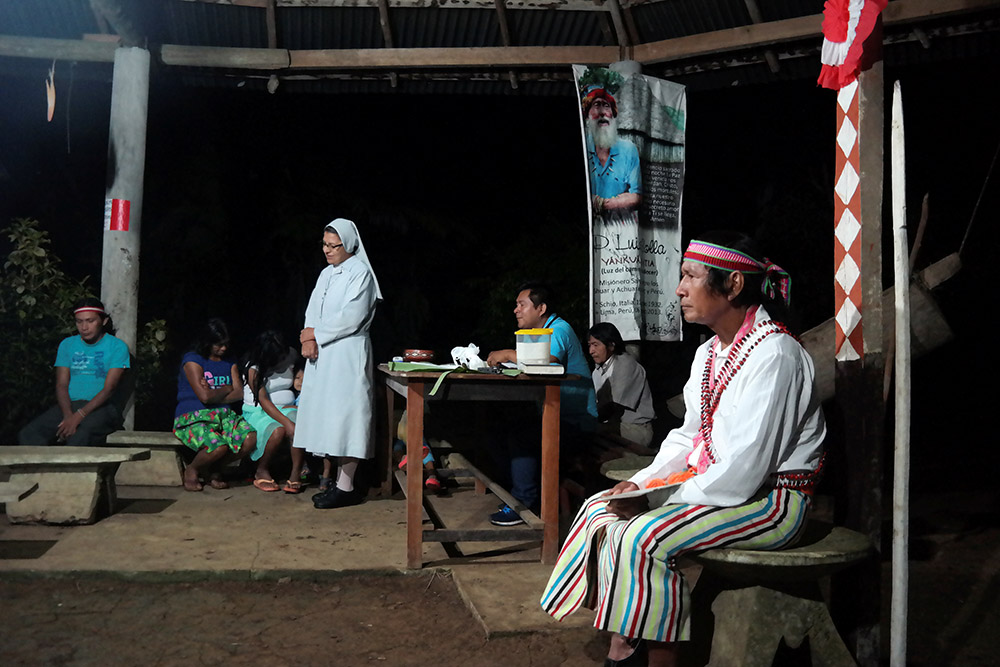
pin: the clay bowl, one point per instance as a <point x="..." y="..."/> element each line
<point x="418" y="355"/>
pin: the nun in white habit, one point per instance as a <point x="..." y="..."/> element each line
<point x="335" y="407"/>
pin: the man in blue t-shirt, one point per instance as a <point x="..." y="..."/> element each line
<point x="534" y="309"/>
<point x="88" y="369"/>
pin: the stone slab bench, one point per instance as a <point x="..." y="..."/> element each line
<point x="76" y="485"/>
<point x="12" y="492"/>
<point x="746" y="602"/>
<point x="164" y="466"/>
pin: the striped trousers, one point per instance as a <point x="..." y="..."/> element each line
<point x="625" y="570"/>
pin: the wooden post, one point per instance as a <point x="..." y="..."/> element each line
<point x="414" y="474"/>
<point x="901" y="459"/>
<point x="550" y="474"/>
<point x="859" y="352"/>
<point x="123" y="198"/>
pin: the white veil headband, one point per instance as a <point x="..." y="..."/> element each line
<point x="349" y="236"/>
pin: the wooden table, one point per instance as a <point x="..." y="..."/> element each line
<point x="415" y="387"/>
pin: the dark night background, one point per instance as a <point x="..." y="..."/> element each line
<point x="459" y="198"/>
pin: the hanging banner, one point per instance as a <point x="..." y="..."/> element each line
<point x="633" y="142"/>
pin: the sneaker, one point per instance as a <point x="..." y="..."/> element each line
<point x="505" y="516"/>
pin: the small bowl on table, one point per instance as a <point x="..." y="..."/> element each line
<point x="418" y="356"/>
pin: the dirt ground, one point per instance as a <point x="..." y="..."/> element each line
<point x="421" y="619"/>
<point x="372" y="620"/>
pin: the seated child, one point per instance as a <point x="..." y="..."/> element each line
<point x="431" y="481"/>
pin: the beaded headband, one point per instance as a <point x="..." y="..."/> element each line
<point x="727" y="259"/>
<point x="89" y="309"/>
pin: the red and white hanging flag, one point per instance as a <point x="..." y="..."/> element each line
<point x="846" y="26"/>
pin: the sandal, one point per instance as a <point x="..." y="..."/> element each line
<point x="432" y="483"/>
<point x="325" y="484"/>
<point x="402" y="461"/>
<point x="268" y="485"/>
<point x="292" y="486"/>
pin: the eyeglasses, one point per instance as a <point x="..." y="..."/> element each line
<point x="332" y="246"/>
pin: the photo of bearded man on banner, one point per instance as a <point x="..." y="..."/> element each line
<point x="633" y="143"/>
<point x="615" y="175"/>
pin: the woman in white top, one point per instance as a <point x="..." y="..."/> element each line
<point x="335" y="408"/>
<point x="624" y="404"/>
<point x="269" y="371"/>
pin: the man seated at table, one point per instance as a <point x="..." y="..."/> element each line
<point x="534" y="309"/>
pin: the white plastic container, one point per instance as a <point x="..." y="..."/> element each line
<point x="534" y="346"/>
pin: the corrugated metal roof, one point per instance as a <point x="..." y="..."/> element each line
<point x="55" y="19"/>
<point x="428" y="25"/>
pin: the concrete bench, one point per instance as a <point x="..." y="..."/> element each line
<point x="164" y="466"/>
<point x="76" y="485"/>
<point x="759" y="598"/>
<point x="12" y="492"/>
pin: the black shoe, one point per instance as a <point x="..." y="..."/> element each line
<point x="328" y="492"/>
<point x="638" y="657"/>
<point x="337" y="498"/>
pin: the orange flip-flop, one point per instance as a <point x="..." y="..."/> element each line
<point x="292" y="486"/>
<point x="268" y="485"/>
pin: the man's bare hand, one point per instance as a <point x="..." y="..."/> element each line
<point x="498" y="357"/>
<point x="68" y="426"/>
<point x="625" y="508"/>
<point x="310" y="350"/>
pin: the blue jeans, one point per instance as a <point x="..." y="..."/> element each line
<point x="525" y="454"/>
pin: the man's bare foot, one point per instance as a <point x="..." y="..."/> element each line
<point x="620" y="648"/>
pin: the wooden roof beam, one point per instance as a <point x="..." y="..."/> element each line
<point x="896" y="13"/>
<point x="571" y="5"/>
<point x="487" y="56"/>
<point x="624" y="42"/>
<point x="899" y="12"/>
<point x="117" y="16"/>
<point x="505" y="35"/>
<point x="754" y="11"/>
<point x="383" y="19"/>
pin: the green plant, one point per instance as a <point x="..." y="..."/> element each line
<point x="35" y="299"/>
<point x="150" y="347"/>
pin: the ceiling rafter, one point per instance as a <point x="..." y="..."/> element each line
<point x="571" y="5"/>
<point x="116" y="15"/>
<point x="753" y="9"/>
<point x="505" y="37"/>
<point x="383" y="19"/>
<point x="901" y="14"/>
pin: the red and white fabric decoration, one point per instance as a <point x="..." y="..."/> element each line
<point x="847" y="229"/>
<point x="846" y="26"/>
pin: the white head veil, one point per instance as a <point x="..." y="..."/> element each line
<point x="349" y="236"/>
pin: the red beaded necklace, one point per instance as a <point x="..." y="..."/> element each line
<point x="712" y="388"/>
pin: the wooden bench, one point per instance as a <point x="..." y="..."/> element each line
<point x="164" y="466"/>
<point x="76" y="485"/>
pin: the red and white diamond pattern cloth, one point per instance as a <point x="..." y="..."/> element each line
<point x="847" y="229"/>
